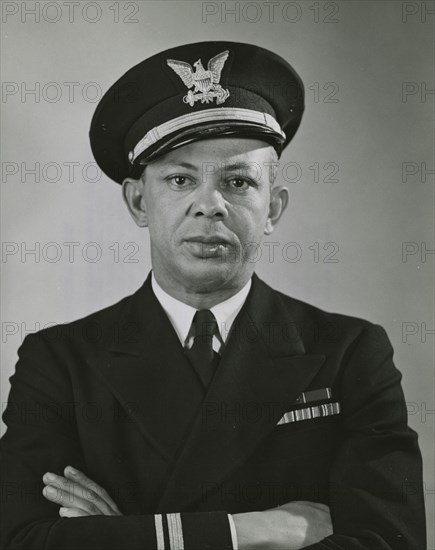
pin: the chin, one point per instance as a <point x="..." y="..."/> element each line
<point x="207" y="277"/>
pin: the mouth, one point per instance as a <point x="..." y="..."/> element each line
<point x="213" y="246"/>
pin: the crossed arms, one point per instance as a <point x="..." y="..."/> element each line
<point x="291" y="527"/>
<point x="375" y="499"/>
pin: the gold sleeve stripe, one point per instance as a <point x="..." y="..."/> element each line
<point x="175" y="530"/>
<point x="159" y="532"/>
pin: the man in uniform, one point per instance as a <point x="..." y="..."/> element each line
<point x="231" y="415"/>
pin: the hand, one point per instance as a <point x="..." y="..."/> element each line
<point x="313" y="518"/>
<point x="289" y="527"/>
<point x="78" y="495"/>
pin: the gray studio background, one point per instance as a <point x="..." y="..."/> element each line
<point x="368" y="71"/>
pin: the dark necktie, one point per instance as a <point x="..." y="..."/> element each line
<point x="201" y="354"/>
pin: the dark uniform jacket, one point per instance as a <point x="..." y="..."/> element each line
<point x="113" y="395"/>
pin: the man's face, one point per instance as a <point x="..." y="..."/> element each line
<point x="207" y="206"/>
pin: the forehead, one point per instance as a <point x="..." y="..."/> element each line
<point x="222" y="151"/>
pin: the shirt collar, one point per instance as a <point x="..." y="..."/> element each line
<point x="181" y="314"/>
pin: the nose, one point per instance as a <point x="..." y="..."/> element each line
<point x="209" y="202"/>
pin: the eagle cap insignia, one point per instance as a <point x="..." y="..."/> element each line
<point x="205" y="83"/>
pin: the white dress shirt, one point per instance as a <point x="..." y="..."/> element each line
<point x="181" y="317"/>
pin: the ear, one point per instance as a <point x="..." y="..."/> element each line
<point x="278" y="203"/>
<point x="133" y="192"/>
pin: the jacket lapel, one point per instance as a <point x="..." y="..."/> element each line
<point x="262" y="372"/>
<point x="146" y="370"/>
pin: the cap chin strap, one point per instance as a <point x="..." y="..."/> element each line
<point x="242" y="130"/>
<point x="206" y="120"/>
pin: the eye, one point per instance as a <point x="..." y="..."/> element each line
<point x="178" y="181"/>
<point x="239" y="183"/>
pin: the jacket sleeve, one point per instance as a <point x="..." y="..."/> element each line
<point x="376" y="494"/>
<point x="42" y="436"/>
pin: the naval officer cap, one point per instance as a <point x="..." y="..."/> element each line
<point x="193" y="92"/>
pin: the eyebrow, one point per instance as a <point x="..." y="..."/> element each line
<point x="181" y="164"/>
<point x="221" y="166"/>
<point x="239" y="165"/>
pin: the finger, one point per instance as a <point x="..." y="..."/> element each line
<point x="304" y="506"/>
<point x="79" y="477"/>
<point x="62" y="498"/>
<point x="72" y="513"/>
<point x="315" y="505"/>
<point x="71" y="489"/>
<point x="67" y="499"/>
